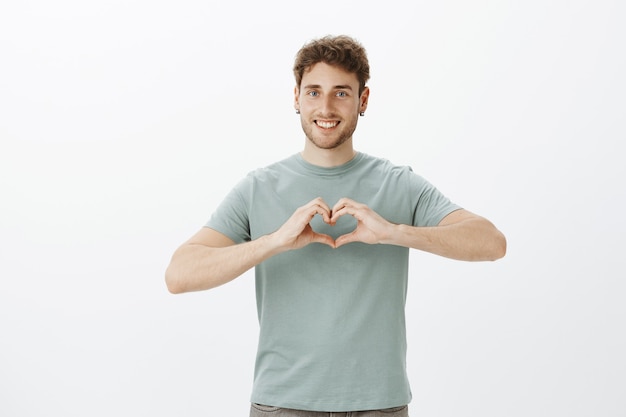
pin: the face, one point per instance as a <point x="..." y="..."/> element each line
<point x="329" y="103"/>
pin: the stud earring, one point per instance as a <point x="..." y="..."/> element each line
<point x="362" y="113"/>
<point x="297" y="111"/>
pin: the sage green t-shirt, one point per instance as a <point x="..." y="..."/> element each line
<point x="332" y="325"/>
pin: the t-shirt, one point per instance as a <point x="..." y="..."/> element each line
<point x="332" y="321"/>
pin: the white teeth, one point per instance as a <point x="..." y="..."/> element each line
<point x="326" y="125"/>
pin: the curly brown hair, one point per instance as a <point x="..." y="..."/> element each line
<point x="342" y="51"/>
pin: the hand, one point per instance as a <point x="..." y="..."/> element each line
<point x="297" y="232"/>
<point x="371" y="228"/>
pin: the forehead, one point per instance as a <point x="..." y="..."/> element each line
<point x="325" y="75"/>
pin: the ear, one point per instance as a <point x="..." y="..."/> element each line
<point x="296" y="98"/>
<point x="365" y="95"/>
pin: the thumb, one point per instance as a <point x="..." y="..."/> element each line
<point x="324" y="239"/>
<point x="344" y="239"/>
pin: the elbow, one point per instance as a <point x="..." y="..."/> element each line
<point x="179" y="281"/>
<point x="499" y="247"/>
<point x="491" y="248"/>
<point x="174" y="289"/>
<point x="173" y="284"/>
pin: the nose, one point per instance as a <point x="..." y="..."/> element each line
<point x="327" y="105"/>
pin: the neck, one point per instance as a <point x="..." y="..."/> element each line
<point x="328" y="158"/>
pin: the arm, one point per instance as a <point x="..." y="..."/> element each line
<point x="210" y="258"/>
<point x="461" y="235"/>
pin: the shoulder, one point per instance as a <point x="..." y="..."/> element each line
<point x="270" y="172"/>
<point x="383" y="166"/>
<point x="394" y="176"/>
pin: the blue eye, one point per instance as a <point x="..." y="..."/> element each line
<point x="341" y="94"/>
<point x="313" y="93"/>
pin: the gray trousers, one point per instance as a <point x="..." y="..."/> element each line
<point x="258" y="410"/>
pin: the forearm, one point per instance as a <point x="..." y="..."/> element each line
<point x="474" y="239"/>
<point x="210" y="258"/>
<point x="197" y="267"/>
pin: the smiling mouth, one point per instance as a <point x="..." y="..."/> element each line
<point x="326" y="125"/>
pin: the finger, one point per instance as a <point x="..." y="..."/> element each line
<point x="323" y="202"/>
<point x="343" y="202"/>
<point x="307" y="212"/>
<point x="321" y="208"/>
<point x="347" y="209"/>
<point x="319" y="201"/>
<point x="324" y="212"/>
<point x="347" y="238"/>
<point x="322" y="238"/>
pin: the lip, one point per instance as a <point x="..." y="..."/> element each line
<point x="327" y="124"/>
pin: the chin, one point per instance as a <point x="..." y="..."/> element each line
<point x="328" y="144"/>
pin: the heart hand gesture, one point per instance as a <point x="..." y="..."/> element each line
<point x="371" y="227"/>
<point x="297" y="232"/>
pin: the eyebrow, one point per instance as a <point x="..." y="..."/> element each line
<point x="337" y="87"/>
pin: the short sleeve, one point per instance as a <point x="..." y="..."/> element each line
<point x="431" y="204"/>
<point x="232" y="215"/>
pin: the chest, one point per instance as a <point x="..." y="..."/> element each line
<point x="273" y="202"/>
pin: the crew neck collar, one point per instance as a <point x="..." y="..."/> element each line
<point x="329" y="171"/>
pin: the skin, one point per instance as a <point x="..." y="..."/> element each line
<point x="329" y="106"/>
<point x="329" y="95"/>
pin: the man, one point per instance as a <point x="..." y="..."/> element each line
<point x="329" y="231"/>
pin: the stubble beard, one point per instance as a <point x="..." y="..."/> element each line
<point x="322" y="143"/>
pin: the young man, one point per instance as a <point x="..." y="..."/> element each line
<point x="329" y="231"/>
